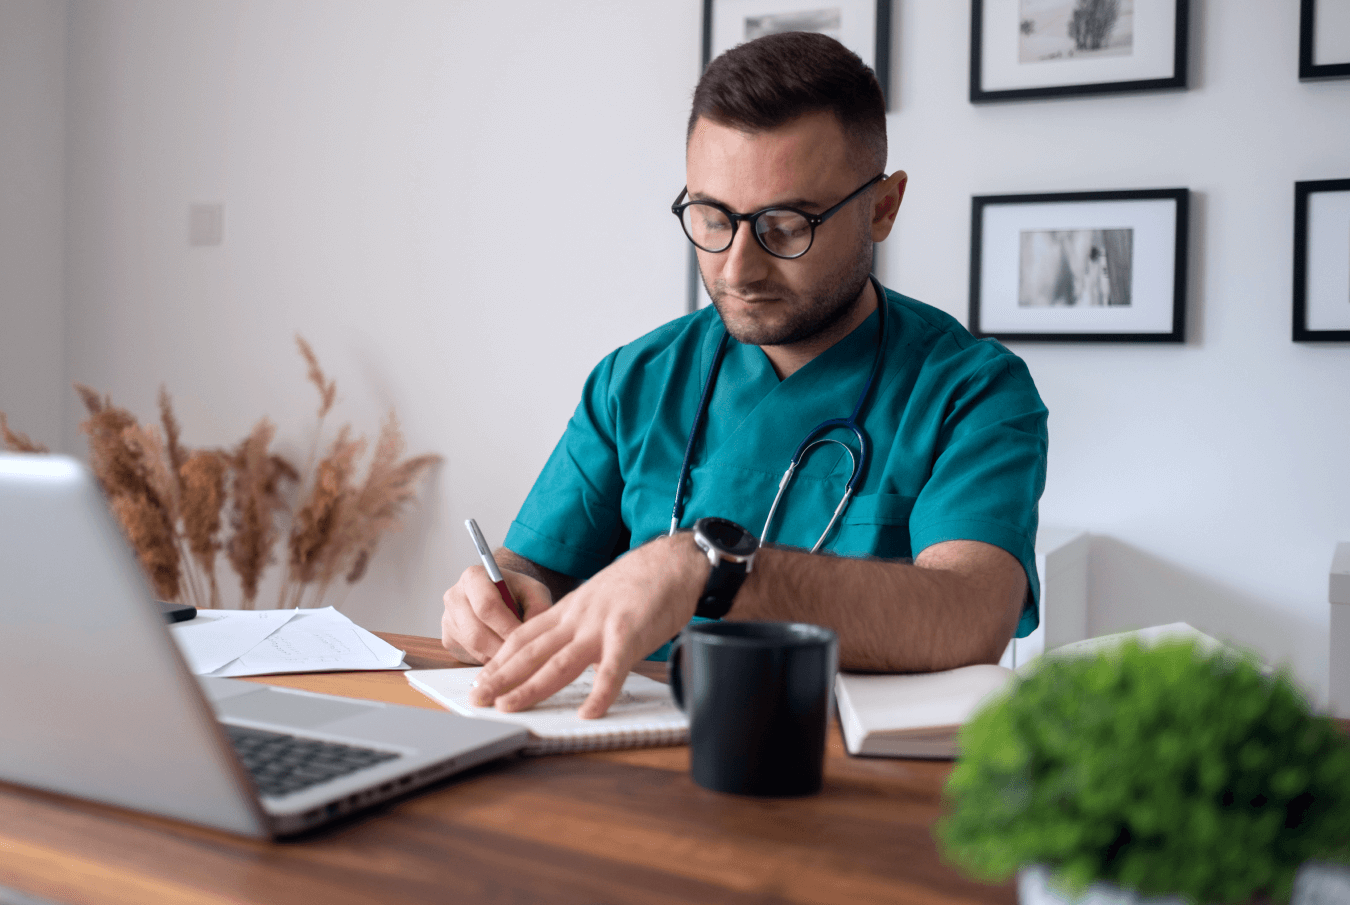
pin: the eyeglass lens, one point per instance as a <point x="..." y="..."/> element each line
<point x="783" y="232"/>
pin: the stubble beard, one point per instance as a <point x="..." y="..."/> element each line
<point x="828" y="303"/>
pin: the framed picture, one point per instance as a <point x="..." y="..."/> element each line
<point x="1322" y="261"/>
<point x="1053" y="48"/>
<point x="863" y="26"/>
<point x="1324" y="40"/>
<point x="1080" y="266"/>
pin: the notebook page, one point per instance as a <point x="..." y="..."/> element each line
<point x="643" y="714"/>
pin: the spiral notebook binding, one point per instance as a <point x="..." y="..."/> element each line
<point x="653" y="735"/>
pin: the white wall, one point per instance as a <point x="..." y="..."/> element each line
<point x="32" y="215"/>
<point x="1212" y="475"/>
<point x="388" y="172"/>
<point x="462" y="206"/>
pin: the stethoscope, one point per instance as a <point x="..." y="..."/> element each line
<point x="813" y="438"/>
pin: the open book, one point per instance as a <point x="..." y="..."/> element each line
<point x="644" y="715"/>
<point x="919" y="715"/>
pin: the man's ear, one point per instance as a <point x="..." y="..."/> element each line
<point x="891" y="193"/>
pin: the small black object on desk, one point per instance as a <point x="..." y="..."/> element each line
<point x="176" y="612"/>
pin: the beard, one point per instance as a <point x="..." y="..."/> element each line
<point x="808" y="315"/>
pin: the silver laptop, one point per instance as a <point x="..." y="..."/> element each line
<point x="96" y="702"/>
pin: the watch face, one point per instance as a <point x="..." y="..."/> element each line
<point x="727" y="535"/>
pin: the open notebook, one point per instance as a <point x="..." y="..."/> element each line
<point x="643" y="716"/>
<point x="920" y="715"/>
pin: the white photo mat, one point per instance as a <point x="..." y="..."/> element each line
<point x="1154" y="225"/>
<point x="1328" y="261"/>
<point x="856" y="31"/>
<point x="1331" y="37"/>
<point x="1151" y="57"/>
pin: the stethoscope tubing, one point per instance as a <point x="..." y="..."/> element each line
<point x="813" y="437"/>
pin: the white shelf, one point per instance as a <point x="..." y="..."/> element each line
<point x="1062" y="566"/>
<point x="1338" y="672"/>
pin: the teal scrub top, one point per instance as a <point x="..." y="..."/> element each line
<point x="957" y="428"/>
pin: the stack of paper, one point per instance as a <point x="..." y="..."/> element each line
<point x="260" y="642"/>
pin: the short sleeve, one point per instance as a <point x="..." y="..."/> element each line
<point x="989" y="471"/>
<point x="571" y="522"/>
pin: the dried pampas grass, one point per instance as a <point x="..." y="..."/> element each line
<point x="16" y="442"/>
<point x="181" y="507"/>
<point x="145" y="526"/>
<point x="203" y="481"/>
<point x="389" y="486"/>
<point x="257" y="499"/>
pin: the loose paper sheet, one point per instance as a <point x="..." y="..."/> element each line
<point x="263" y="642"/>
<point x="216" y="637"/>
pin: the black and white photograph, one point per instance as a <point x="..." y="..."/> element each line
<point x="1021" y="49"/>
<point x="1074" y="29"/>
<point x="821" y="21"/>
<point x="1080" y="266"/>
<point x="1075" y="267"/>
<point x="1324" y="40"/>
<point x="1322" y="261"/>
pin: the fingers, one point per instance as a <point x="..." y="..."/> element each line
<point x="519" y="656"/>
<point x="456" y="650"/>
<point x="486" y="601"/>
<point x="468" y="633"/>
<point x="521" y="677"/>
<point x="624" y="611"/>
<point x="532" y="596"/>
<point x="548" y="679"/>
<point x="609" y="679"/>
<point x="475" y="621"/>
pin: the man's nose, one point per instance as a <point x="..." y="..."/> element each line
<point x="746" y="262"/>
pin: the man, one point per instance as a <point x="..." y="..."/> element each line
<point x="786" y="139"/>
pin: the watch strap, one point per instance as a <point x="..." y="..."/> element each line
<point x="719" y="592"/>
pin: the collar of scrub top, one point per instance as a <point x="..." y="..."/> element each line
<point x="815" y="437"/>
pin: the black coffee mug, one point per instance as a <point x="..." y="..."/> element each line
<point x="758" y="699"/>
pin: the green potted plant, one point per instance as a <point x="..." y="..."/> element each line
<point x="1150" y="771"/>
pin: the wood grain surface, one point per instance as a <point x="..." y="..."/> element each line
<point x="620" y="827"/>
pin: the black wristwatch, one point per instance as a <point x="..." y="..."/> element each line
<point x="731" y="550"/>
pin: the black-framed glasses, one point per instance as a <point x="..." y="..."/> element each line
<point x="783" y="232"/>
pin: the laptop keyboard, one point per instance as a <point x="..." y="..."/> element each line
<point x="281" y="764"/>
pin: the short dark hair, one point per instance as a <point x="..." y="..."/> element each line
<point x="770" y="81"/>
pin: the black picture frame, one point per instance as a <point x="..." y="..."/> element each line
<point x="1161" y="317"/>
<point x="1175" y="79"/>
<point x="881" y="65"/>
<point x="1309" y="70"/>
<point x="1303" y="240"/>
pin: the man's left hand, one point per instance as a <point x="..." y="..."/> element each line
<point x="622" y="614"/>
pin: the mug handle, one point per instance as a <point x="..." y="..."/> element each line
<point x="673" y="673"/>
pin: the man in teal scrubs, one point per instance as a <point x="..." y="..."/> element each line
<point x="931" y="565"/>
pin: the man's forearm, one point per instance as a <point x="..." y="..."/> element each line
<point x="558" y="584"/>
<point x="958" y="605"/>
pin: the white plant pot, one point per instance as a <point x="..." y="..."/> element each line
<point x="1033" y="888"/>
<point x="1316" y="884"/>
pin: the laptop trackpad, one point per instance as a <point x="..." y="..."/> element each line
<point x="299" y="710"/>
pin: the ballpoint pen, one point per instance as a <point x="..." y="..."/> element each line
<point x="494" y="573"/>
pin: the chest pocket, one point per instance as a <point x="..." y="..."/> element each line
<point x="875" y="525"/>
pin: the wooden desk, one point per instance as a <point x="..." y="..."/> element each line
<point x="621" y="827"/>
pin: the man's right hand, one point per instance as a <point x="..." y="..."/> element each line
<point x="476" y="620"/>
